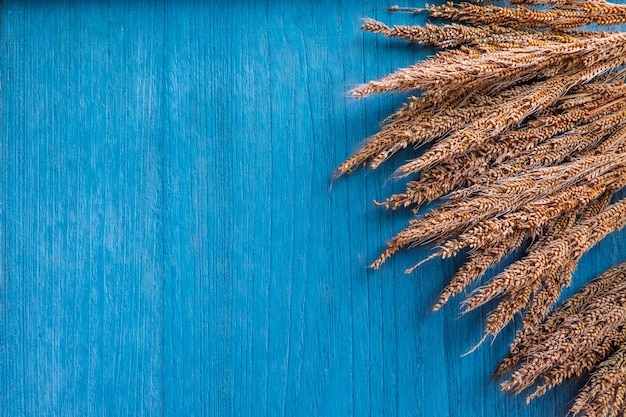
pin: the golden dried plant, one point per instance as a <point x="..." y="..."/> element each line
<point x="523" y="116"/>
<point x="586" y="333"/>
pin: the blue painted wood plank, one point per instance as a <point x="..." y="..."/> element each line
<point x="82" y="286"/>
<point x="170" y="242"/>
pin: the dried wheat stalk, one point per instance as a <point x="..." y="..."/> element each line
<point x="604" y="394"/>
<point x="588" y="331"/>
<point x="524" y="116"/>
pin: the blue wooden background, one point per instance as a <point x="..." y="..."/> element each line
<point x="170" y="243"/>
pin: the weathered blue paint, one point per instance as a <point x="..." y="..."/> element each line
<point x="170" y="243"/>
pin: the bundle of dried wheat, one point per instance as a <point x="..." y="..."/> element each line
<point x="587" y="332"/>
<point x="525" y="116"/>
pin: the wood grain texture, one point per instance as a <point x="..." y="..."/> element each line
<point x="170" y="243"/>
